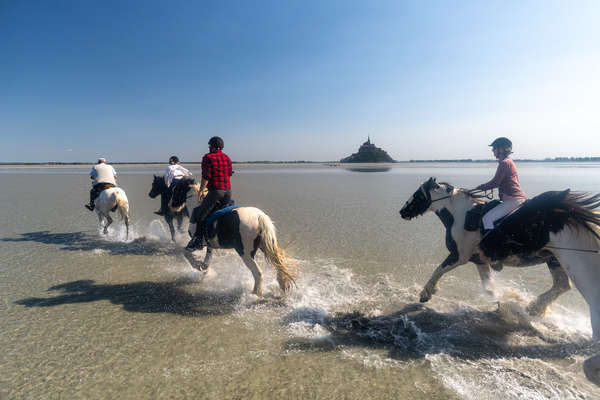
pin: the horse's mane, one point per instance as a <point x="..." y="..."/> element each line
<point x="580" y="208"/>
<point x="470" y="194"/>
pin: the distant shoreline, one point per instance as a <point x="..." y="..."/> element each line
<point x="468" y="160"/>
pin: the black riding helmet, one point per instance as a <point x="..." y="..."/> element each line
<point x="502" y="143"/>
<point x="216" y="142"/>
<point x="174" y="159"/>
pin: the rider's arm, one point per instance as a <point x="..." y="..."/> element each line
<point x="501" y="172"/>
<point x="203" y="184"/>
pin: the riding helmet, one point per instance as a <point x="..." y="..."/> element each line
<point x="174" y="159"/>
<point x="502" y="143"/>
<point x="216" y="142"/>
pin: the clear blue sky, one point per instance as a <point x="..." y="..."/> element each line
<point x="297" y="80"/>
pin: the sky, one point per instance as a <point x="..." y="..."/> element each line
<point x="297" y="80"/>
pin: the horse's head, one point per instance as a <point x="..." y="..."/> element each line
<point x="421" y="200"/>
<point x="158" y="186"/>
<point x="180" y="193"/>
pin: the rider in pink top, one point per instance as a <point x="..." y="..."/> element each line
<point x="507" y="182"/>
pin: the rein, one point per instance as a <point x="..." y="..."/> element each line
<point x="572" y="249"/>
<point x="441" y="198"/>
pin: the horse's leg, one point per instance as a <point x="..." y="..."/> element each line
<point x="169" y="219"/>
<point x="451" y="262"/>
<point x="256" y="272"/>
<point x="485" y="274"/>
<point x="560" y="285"/>
<point x="207" y="258"/>
<point x="180" y="222"/>
<point x="99" y="217"/>
<point x="591" y="367"/>
<point x="109" y="221"/>
<point x="126" y="219"/>
<point x="201" y="266"/>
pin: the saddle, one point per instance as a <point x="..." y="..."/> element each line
<point x="474" y="215"/>
<point x="221" y="208"/>
<point x="524" y="231"/>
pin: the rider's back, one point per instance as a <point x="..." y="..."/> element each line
<point x="104" y="173"/>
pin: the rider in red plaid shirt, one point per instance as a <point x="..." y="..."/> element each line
<point x="216" y="170"/>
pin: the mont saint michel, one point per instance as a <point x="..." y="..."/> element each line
<point x="368" y="153"/>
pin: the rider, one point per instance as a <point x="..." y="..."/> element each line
<point x="173" y="175"/>
<point x="507" y="182"/>
<point x="104" y="176"/>
<point x="216" y="170"/>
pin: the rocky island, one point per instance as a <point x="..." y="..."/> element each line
<point x="368" y="153"/>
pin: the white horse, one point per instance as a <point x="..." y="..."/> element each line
<point x="245" y="229"/>
<point x="571" y="241"/>
<point x="112" y="199"/>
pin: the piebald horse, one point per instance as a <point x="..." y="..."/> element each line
<point x="112" y="199"/>
<point x="160" y="187"/>
<point x="245" y="229"/>
<point x="570" y="244"/>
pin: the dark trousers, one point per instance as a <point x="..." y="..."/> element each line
<point x="97" y="189"/>
<point x="213" y="199"/>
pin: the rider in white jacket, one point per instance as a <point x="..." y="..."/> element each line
<point x="173" y="175"/>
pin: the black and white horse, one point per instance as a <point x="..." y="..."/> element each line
<point x="112" y="199"/>
<point x="159" y="187"/>
<point x="570" y="239"/>
<point x="245" y="229"/>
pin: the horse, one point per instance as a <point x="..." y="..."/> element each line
<point x="245" y="229"/>
<point x="112" y="199"/>
<point x="568" y="241"/>
<point x="160" y="187"/>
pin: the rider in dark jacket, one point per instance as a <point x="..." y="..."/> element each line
<point x="216" y="170"/>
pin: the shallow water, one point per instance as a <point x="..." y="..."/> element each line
<point x="87" y="316"/>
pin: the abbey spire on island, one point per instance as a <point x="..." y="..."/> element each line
<point x="368" y="153"/>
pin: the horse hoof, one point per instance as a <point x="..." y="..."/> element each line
<point x="424" y="299"/>
<point x="591" y="369"/>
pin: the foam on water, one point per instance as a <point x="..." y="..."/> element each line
<point x="488" y="350"/>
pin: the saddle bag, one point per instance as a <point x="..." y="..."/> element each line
<point x="474" y="215"/>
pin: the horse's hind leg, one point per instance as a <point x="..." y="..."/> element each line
<point x="126" y="228"/>
<point x="169" y="219"/>
<point x="180" y="222"/>
<point x="560" y="285"/>
<point x="256" y="272"/>
<point x="109" y="221"/>
<point x="485" y="274"/>
<point x="591" y="367"/>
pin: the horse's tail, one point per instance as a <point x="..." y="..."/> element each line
<point x="122" y="205"/>
<point x="286" y="269"/>
<point x="123" y="208"/>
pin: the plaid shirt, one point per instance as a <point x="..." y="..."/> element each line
<point x="216" y="169"/>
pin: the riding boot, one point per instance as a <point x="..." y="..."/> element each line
<point x="90" y="206"/>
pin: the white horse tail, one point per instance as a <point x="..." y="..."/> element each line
<point x="286" y="269"/>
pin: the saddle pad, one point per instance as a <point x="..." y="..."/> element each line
<point x="215" y="215"/>
<point x="473" y="216"/>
